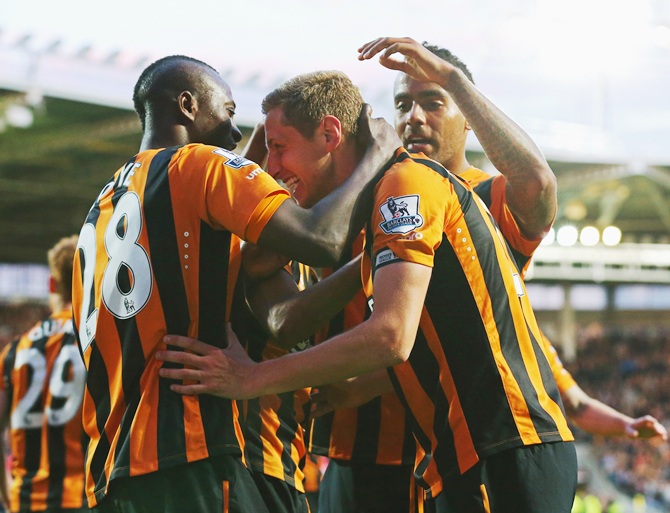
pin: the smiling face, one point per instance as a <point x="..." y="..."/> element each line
<point x="304" y="165"/>
<point x="428" y="120"/>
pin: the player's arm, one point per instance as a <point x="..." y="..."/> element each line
<point x="350" y="393"/>
<point x="290" y="316"/>
<point x="598" y="418"/>
<point x="531" y="184"/>
<point x="319" y="236"/>
<point x="384" y="340"/>
<point x="255" y="150"/>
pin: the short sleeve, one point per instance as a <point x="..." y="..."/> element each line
<point x="503" y="215"/>
<point x="409" y="214"/>
<point x="229" y="191"/>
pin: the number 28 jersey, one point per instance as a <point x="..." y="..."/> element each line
<point x="159" y="254"/>
<point x="43" y="379"/>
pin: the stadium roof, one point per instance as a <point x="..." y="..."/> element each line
<point x="592" y="90"/>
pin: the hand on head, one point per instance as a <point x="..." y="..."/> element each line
<point x="376" y="131"/>
<point x="416" y="60"/>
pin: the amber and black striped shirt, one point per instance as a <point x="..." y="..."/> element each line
<point x="478" y="379"/>
<point x="43" y="379"/>
<point x="157" y="255"/>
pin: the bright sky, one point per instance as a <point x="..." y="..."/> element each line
<point x="600" y="64"/>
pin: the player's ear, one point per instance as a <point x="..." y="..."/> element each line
<point x="187" y="105"/>
<point x="332" y="131"/>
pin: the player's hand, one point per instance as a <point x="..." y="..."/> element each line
<point x="331" y="397"/>
<point x="255" y="150"/>
<point x="377" y="132"/>
<point x="350" y="393"/>
<point x="260" y="263"/>
<point x="415" y="60"/>
<point x="646" y="427"/>
<point x="208" y="369"/>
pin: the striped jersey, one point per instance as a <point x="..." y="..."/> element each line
<point x="273" y="424"/>
<point x="492" y="190"/>
<point x="159" y="253"/>
<point x="478" y="380"/>
<point x="43" y="379"/>
<point x="376" y="432"/>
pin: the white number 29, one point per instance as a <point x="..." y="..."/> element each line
<point x="72" y="391"/>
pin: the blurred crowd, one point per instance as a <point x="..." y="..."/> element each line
<point x="627" y="368"/>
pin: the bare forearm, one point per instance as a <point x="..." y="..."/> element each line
<point x="597" y="418"/>
<point x="531" y="184"/>
<point x="304" y="313"/>
<point x="350" y="354"/>
<point x="255" y="150"/>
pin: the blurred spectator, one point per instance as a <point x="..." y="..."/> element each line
<point x="627" y="368"/>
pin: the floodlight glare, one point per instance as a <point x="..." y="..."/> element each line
<point x="567" y="235"/>
<point x="611" y="236"/>
<point x="549" y="238"/>
<point x="589" y="236"/>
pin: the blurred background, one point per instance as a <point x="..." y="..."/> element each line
<point x="588" y="79"/>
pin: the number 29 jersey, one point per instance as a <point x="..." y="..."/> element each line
<point x="159" y="254"/>
<point x="43" y="379"/>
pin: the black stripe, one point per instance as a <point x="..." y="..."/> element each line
<point x="132" y="368"/>
<point x="483" y="190"/>
<point x="320" y="429"/>
<point x="319" y="434"/>
<point x="455" y="316"/>
<point x="286" y="432"/>
<point x="97" y="384"/>
<point x="33" y="437"/>
<point x="419" y="435"/>
<point x="56" y="437"/>
<point x="57" y="441"/>
<point x="252" y="426"/>
<point x="165" y="261"/>
<point x="7" y="368"/>
<point x="213" y="285"/>
<point x="217" y="413"/>
<point x="368" y="423"/>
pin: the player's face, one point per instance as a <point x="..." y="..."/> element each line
<point x="215" y="121"/>
<point x="428" y="120"/>
<point x="302" y="164"/>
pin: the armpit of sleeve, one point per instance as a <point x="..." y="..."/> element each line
<point x="503" y="215"/>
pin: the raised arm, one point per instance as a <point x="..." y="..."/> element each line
<point x="319" y="236"/>
<point x="290" y="315"/>
<point x="531" y="184"/>
<point x="255" y="150"/>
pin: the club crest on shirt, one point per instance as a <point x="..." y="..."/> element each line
<point x="401" y="214"/>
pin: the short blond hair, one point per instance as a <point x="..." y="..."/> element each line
<point x="308" y="98"/>
<point x="60" y="258"/>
